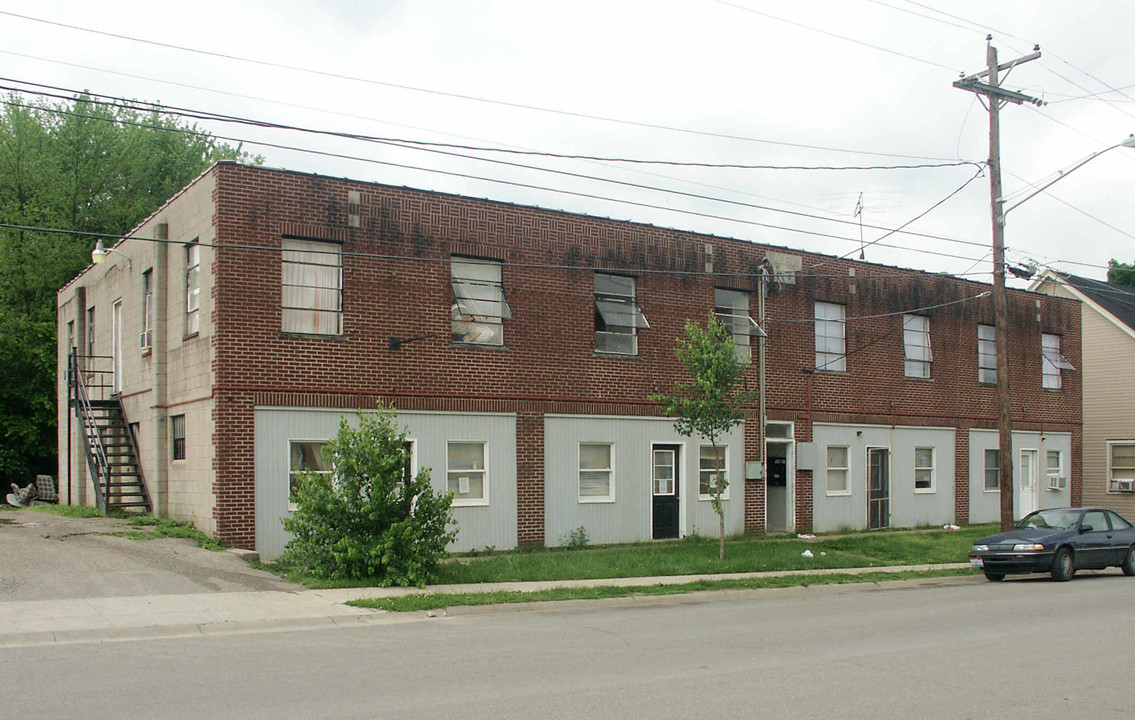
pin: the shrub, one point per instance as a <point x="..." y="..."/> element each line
<point x="367" y="518"/>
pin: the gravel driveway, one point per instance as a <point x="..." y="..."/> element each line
<point x="45" y="556"/>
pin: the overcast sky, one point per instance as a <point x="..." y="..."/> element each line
<point x="742" y="82"/>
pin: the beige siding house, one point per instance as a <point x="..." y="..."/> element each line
<point x="1108" y="375"/>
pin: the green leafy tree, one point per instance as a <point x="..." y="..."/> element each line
<point x="78" y="166"/>
<point x="1121" y="273"/>
<point x="368" y="519"/>
<point x="713" y="403"/>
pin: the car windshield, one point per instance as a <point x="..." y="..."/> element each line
<point x="1051" y="519"/>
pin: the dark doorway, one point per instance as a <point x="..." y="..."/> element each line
<point x="776" y="488"/>
<point x="665" y="484"/>
<point x="878" y="488"/>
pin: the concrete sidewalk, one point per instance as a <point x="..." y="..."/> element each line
<point x="100" y="619"/>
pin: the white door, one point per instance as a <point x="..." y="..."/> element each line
<point x="116" y="346"/>
<point x="1027" y="500"/>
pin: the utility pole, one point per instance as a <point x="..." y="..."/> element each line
<point x="995" y="97"/>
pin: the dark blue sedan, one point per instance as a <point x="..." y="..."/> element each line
<point x="1058" y="541"/>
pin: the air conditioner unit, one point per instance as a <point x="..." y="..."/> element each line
<point x="144" y="340"/>
<point x="1056" y="482"/>
<point x="1125" y="485"/>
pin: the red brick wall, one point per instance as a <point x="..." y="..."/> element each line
<point x="548" y="362"/>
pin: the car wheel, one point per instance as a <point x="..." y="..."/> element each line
<point x="1063" y="566"/>
<point x="1129" y="562"/>
<point x="993" y="576"/>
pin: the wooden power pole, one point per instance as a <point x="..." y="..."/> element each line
<point x="995" y="97"/>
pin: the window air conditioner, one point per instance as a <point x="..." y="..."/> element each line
<point x="1125" y="485"/>
<point x="1056" y="482"/>
<point x="144" y="340"/>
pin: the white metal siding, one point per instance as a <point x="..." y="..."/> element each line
<point x="986" y="506"/>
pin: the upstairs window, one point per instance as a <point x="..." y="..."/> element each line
<point x="311" y="297"/>
<point x="479" y="306"/>
<point x="192" y="288"/>
<point x="916" y="346"/>
<point x="90" y="332"/>
<point x="987" y="354"/>
<point x="732" y="309"/>
<point x="831" y="348"/>
<point x="1052" y="361"/>
<point x="617" y="315"/>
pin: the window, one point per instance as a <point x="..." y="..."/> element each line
<point x="838" y="470"/>
<point x="177" y="436"/>
<point x="711" y="463"/>
<point x="466" y="479"/>
<point x="778" y="430"/>
<point x="1096" y="520"/>
<point x="1118" y="523"/>
<point x="146" y="338"/>
<point x="830" y="347"/>
<point x="987" y="354"/>
<point x="305" y="455"/>
<point x="192" y="288"/>
<point x="1121" y="466"/>
<point x="924" y="469"/>
<point x="596" y="474"/>
<point x="993" y="470"/>
<point x="479" y="305"/>
<point x="90" y="331"/>
<point x="617" y="315"/>
<point x="70" y="335"/>
<point x="732" y="309"/>
<point x="311" y="297"/>
<point x="916" y="346"/>
<point x="1052" y="362"/>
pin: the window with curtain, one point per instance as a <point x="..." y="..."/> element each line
<point x="987" y="354"/>
<point x="192" y="288"/>
<point x="1052" y="362"/>
<point x="479" y="306"/>
<point x="916" y="346"/>
<point x="831" y="348"/>
<point x="617" y="314"/>
<point x="732" y="309"/>
<point x="311" y="287"/>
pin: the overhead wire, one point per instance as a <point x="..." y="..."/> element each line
<point x="149" y="107"/>
<point x="455" y="95"/>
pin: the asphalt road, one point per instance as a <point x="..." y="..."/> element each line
<point x="1019" y="649"/>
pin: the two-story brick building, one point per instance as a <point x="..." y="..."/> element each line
<point x="519" y="345"/>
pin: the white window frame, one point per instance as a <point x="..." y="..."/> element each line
<point x="831" y="336"/>
<point x="705" y="497"/>
<point x="610" y="471"/>
<point x="732" y="308"/>
<point x="192" y="287"/>
<point x="986" y="468"/>
<point x="845" y="469"/>
<point x="1052" y="361"/>
<point x="469" y="501"/>
<point x="1113" y="484"/>
<point x="321" y="313"/>
<point x="479" y="306"/>
<point x="292" y="472"/>
<point x="146" y="338"/>
<point x="987" y="354"/>
<point x="91" y="331"/>
<point x="917" y="351"/>
<point x="932" y="469"/>
<point x="1061" y="479"/>
<point x="618" y="316"/>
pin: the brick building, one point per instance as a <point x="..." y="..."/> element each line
<point x="519" y="346"/>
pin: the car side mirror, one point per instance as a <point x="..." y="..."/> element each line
<point x="1086" y="528"/>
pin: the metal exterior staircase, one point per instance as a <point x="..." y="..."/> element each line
<point x="110" y="446"/>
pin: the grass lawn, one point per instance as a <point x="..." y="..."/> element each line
<point x="430" y="601"/>
<point x="696" y="555"/>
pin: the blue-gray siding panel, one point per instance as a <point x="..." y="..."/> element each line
<point x="986" y="506"/>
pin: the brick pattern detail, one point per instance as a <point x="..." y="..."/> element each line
<point x="961" y="475"/>
<point x="396" y="284"/>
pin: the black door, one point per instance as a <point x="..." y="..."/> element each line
<point x="878" y="488"/>
<point x="664" y="486"/>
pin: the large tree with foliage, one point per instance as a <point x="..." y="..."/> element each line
<point x="79" y="166"/>
<point x="1119" y="273"/>
<point x="369" y="518"/>
<point x="713" y="403"/>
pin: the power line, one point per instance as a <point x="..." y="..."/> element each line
<point x="890" y="314"/>
<point x="836" y="35"/>
<point x="150" y="107"/>
<point x="208" y="115"/>
<point x="506" y="263"/>
<point x="458" y="96"/>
